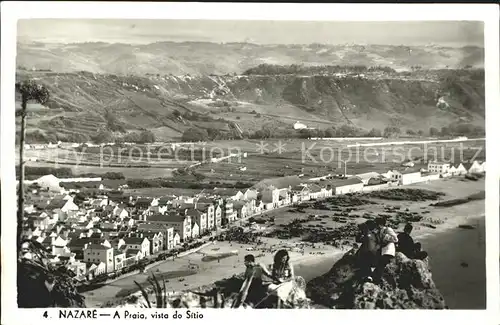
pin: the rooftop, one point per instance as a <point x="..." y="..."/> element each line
<point x="98" y="247"/>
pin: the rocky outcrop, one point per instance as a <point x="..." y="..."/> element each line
<point x="406" y="284"/>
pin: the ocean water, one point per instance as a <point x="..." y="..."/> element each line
<point x="458" y="265"/>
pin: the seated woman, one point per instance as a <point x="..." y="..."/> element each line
<point x="284" y="285"/>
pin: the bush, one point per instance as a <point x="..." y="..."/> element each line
<point x="194" y="135"/>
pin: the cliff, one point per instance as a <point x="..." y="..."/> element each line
<point x="407" y="284"/>
<point x="83" y="103"/>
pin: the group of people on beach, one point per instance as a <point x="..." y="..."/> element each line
<point x="379" y="244"/>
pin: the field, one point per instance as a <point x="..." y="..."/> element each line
<point x="264" y="159"/>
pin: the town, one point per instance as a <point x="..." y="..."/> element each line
<point x="111" y="234"/>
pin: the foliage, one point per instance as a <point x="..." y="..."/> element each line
<point x="41" y="285"/>
<point x="433" y="132"/>
<point x="392" y="131"/>
<point x="33" y="91"/>
<point x="146" y="137"/>
<point x="195" y="135"/>
<point x="103" y="136"/>
<point x="374" y="133"/>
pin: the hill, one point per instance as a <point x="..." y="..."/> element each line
<point x="203" y="58"/>
<point x="83" y="103"/>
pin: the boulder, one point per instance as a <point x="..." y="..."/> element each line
<point x="406" y="284"/>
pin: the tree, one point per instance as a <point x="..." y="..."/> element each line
<point x="347" y="131"/>
<point x="411" y="132"/>
<point x="392" y="131"/>
<point x="194" y="135"/>
<point x="420" y="132"/>
<point x="213" y="134"/>
<point x="433" y="132"/>
<point x="374" y="133"/>
<point x="445" y="131"/>
<point x="478" y="131"/>
<point x="330" y="132"/>
<point x="30" y="91"/>
<point x="103" y="136"/>
<point x="146" y="137"/>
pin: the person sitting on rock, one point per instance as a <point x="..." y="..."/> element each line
<point x="387" y="238"/>
<point x="368" y="253"/>
<point x="283" y="277"/>
<point x="253" y="288"/>
<point x="407" y="246"/>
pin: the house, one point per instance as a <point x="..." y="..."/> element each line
<point x="161" y="209"/>
<point x="167" y="200"/>
<point x="155" y="238"/>
<point x="300" y="193"/>
<point x="99" y="203"/>
<point x="228" y="213"/>
<point x="132" y="256"/>
<point x="344" y="186"/>
<point x="77" y="267"/>
<point x="143" y="203"/>
<point x="96" y="253"/>
<point x="140" y="243"/>
<point x="271" y="195"/>
<point x="460" y="169"/>
<point x="195" y="230"/>
<point x="209" y="210"/>
<point x="474" y="168"/>
<point x="41" y="222"/>
<point x="241" y="209"/>
<point x="452" y="171"/>
<point x="284" y="197"/>
<point x="120" y="213"/>
<point x="113" y="225"/>
<point x="62" y="204"/>
<point x="250" y="194"/>
<point x="410" y="176"/>
<point x="365" y="177"/>
<point x="176" y="239"/>
<point x="180" y="223"/>
<point x="437" y="167"/>
<point x="218" y="216"/>
<point x="259" y="206"/>
<point x="198" y="217"/>
<point x="119" y="258"/>
<point x="315" y="191"/>
<point x="94" y="269"/>
<point x="118" y="243"/>
<point x="59" y="246"/>
<point x="167" y="231"/>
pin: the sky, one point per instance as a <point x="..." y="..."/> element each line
<point x="448" y="33"/>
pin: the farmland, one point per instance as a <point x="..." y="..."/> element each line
<point x="266" y="159"/>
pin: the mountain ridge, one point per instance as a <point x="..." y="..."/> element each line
<point x="201" y="58"/>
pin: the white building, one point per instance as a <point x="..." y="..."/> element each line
<point x="299" y="126"/>
<point x="440" y="168"/>
<point x="365" y="178"/>
<point x="410" y="176"/>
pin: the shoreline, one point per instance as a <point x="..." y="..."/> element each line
<point x="313" y="264"/>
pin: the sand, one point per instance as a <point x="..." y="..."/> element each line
<point x="462" y="287"/>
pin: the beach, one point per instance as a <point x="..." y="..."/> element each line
<point x="459" y="273"/>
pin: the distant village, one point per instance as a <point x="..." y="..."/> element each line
<point x="110" y="233"/>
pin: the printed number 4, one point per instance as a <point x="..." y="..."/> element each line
<point x="45" y="314"/>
